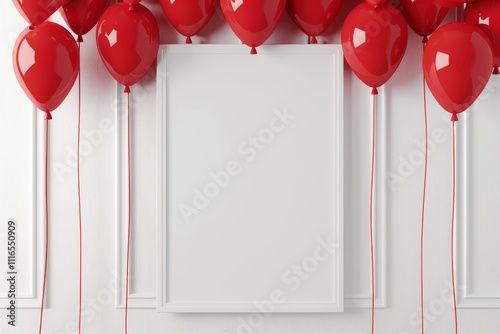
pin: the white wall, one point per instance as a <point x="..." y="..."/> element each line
<point x="104" y="238"/>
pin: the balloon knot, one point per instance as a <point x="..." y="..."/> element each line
<point x="31" y="27"/>
<point x="496" y="71"/>
<point x="48" y="115"/>
<point x="80" y="39"/>
<point x="314" y="40"/>
<point x="425" y="40"/>
<point x="374" y="91"/>
<point x="127" y="89"/>
<point x="454" y="117"/>
<point x="189" y="40"/>
<point x="253" y="51"/>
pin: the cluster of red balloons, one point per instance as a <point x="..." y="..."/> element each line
<point x="458" y="58"/>
<point x="46" y="55"/>
<point x="253" y="21"/>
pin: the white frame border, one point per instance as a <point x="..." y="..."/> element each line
<point x="162" y="303"/>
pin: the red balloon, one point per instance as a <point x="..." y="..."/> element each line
<point x="188" y="17"/>
<point x="313" y="16"/>
<point x="452" y="3"/>
<point x="423" y="16"/>
<point x="82" y="15"/>
<point x="46" y="63"/>
<point x="374" y="42"/>
<point x="132" y="2"/>
<point x="457" y="64"/>
<point x="37" y="11"/>
<point x="128" y="42"/>
<point x="486" y="15"/>
<point x="253" y="21"/>
<point x="376" y="3"/>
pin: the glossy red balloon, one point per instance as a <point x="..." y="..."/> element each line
<point x="253" y="21"/>
<point x="374" y="42"/>
<point x="188" y="17"/>
<point x="457" y="64"/>
<point x="82" y="15"/>
<point x="486" y="15"/>
<point x="128" y="42"/>
<point x="46" y="64"/>
<point x="376" y="3"/>
<point x="423" y="16"/>
<point x="313" y="16"/>
<point x="452" y="3"/>
<point x="37" y="11"/>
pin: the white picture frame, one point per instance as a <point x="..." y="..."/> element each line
<point x="251" y="179"/>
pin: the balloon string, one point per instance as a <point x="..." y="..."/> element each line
<point x="453" y="229"/>
<point x="424" y="194"/>
<point x="79" y="195"/>
<point x="44" y="284"/>
<point x="372" y="252"/>
<point x="129" y="216"/>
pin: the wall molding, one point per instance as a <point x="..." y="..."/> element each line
<point x="466" y="299"/>
<point x="360" y="300"/>
<point x="136" y="300"/>
<point x="31" y="297"/>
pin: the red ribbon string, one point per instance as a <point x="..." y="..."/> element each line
<point x="424" y="195"/>
<point x="453" y="191"/>
<point x="372" y="179"/>
<point x="129" y="214"/>
<point x="79" y="197"/>
<point x="44" y="284"/>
